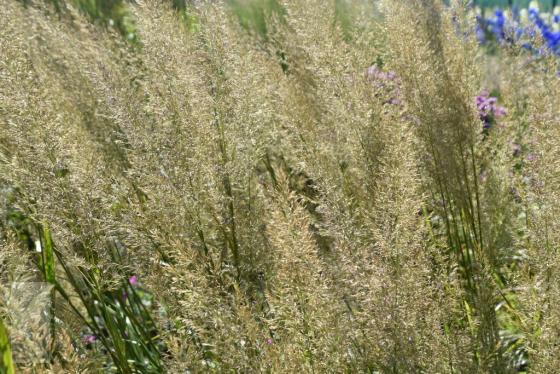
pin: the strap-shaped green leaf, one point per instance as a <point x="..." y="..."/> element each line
<point x="48" y="256"/>
<point x="6" y="362"/>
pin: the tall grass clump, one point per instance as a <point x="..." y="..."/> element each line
<point x="466" y="172"/>
<point x="542" y="290"/>
<point x="272" y="186"/>
<point x="534" y="95"/>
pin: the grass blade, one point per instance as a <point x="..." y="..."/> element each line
<point x="6" y="362"/>
<point x="48" y="255"/>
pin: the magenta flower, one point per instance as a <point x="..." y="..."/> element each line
<point x="133" y="280"/>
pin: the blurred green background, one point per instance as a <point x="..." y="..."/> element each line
<point x="543" y="4"/>
<point x="252" y="14"/>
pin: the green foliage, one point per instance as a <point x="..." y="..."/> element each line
<point x="109" y="13"/>
<point x="120" y="319"/>
<point x="114" y="13"/>
<point x="47" y="253"/>
<point x="6" y="363"/>
<point x="254" y="15"/>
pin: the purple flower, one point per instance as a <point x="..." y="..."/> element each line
<point x="499" y="111"/>
<point x="386" y="80"/>
<point x="372" y="71"/>
<point x="393" y="101"/>
<point x="269" y="341"/>
<point x="133" y="280"/>
<point x="488" y="111"/>
<point x="376" y="74"/>
<point x="89" y="339"/>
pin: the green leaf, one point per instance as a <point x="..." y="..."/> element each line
<point x="6" y="362"/>
<point x="48" y="256"/>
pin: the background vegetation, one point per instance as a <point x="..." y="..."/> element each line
<point x="276" y="186"/>
<point x="544" y="4"/>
